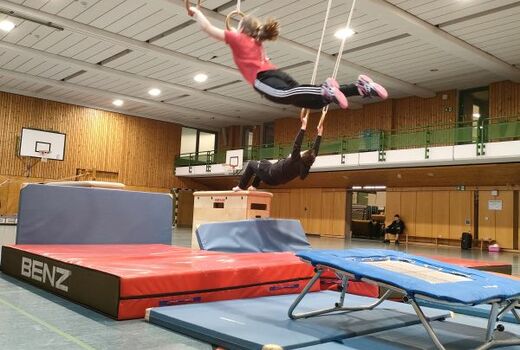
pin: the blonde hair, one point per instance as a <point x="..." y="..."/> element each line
<point x="253" y="27"/>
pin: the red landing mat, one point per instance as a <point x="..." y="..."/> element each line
<point x="122" y="281"/>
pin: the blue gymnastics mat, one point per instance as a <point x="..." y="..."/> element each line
<point x="482" y="310"/>
<point x="249" y="324"/>
<point x="459" y="333"/>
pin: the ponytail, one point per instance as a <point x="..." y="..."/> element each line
<point x="261" y="31"/>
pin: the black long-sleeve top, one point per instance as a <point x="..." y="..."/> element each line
<point x="291" y="167"/>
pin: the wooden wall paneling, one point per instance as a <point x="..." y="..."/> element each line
<point x="295" y="206"/>
<point x="141" y="151"/>
<point x="327" y="213"/>
<point x="340" y="212"/>
<point x="408" y="211"/>
<point x="185" y="209"/>
<point x="393" y="206"/>
<point x="312" y="202"/>
<point x="461" y="210"/>
<point x="424" y="214"/>
<point x="486" y="217"/>
<point x="504" y="99"/>
<point x="504" y="220"/>
<point x="440" y="214"/>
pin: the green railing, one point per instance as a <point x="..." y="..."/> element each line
<point x="473" y="132"/>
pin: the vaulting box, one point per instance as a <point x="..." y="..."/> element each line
<point x="228" y="206"/>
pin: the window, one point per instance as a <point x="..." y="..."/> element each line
<point x="474" y="104"/>
<point x="188" y="140"/>
<point x="268" y="134"/>
<point x="194" y="141"/>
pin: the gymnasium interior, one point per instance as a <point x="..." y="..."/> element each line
<point x="127" y="125"/>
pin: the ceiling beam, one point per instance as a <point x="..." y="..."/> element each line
<point x="431" y="34"/>
<point x="81" y="65"/>
<point x="179" y="110"/>
<point x="310" y="53"/>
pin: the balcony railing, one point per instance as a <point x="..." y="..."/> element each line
<point x="472" y="132"/>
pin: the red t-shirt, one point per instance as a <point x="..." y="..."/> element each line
<point x="248" y="55"/>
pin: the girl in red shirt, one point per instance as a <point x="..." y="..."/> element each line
<point x="272" y="83"/>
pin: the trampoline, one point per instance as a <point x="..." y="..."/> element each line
<point x="415" y="278"/>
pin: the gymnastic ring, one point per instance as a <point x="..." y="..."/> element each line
<point x="188" y="5"/>
<point x="230" y="16"/>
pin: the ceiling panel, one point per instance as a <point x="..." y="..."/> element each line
<point x="490" y="25"/>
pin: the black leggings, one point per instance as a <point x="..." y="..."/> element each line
<point x="260" y="170"/>
<point x="279" y="87"/>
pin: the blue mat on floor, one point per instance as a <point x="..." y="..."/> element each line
<point x="249" y="324"/>
<point x="460" y="333"/>
<point x="477" y="310"/>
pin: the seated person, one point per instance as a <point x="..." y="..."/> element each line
<point x="395" y="228"/>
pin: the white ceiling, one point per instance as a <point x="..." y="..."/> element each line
<point x="468" y="42"/>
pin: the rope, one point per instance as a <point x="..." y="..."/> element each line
<point x="305" y="112"/>
<point x="238" y="5"/>
<point x="325" y="109"/>
<point x="5" y="182"/>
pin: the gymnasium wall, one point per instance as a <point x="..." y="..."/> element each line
<point x="403" y="113"/>
<point x="321" y="211"/>
<point x="393" y="114"/>
<point x="136" y="151"/>
<point x="443" y="213"/>
<point x="504" y="99"/>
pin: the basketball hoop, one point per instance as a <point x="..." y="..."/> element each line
<point x="230" y="169"/>
<point x="43" y="156"/>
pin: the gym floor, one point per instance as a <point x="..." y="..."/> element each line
<point x="33" y="319"/>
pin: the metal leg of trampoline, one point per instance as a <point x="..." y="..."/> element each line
<point x="302" y="295"/>
<point x="338" y="307"/>
<point x="515" y="312"/>
<point x="426" y="323"/>
<point x="509" y="307"/>
<point x="492" y="321"/>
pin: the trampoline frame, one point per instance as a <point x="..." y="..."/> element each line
<point x="498" y="307"/>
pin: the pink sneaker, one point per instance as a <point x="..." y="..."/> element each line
<point x="368" y="88"/>
<point x="332" y="93"/>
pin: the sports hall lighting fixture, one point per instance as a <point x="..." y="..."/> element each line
<point x="30" y="19"/>
<point x="200" y="78"/>
<point x="118" y="103"/>
<point x="6" y="26"/>
<point x="344" y="33"/>
<point x="154" y="92"/>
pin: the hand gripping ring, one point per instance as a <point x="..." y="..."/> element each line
<point x="188" y="5"/>
<point x="230" y="17"/>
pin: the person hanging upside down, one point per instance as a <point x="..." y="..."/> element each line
<point x="271" y="82"/>
<point x="296" y="165"/>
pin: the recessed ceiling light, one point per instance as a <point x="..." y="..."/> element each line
<point x="344" y="33"/>
<point x="154" y="92"/>
<point x="118" y="103"/>
<point x="6" y="26"/>
<point x="200" y="78"/>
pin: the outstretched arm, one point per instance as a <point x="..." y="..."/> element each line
<point x="206" y="25"/>
<point x="317" y="141"/>
<point x="299" y="139"/>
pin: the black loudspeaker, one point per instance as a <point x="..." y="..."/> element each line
<point x="466" y="240"/>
